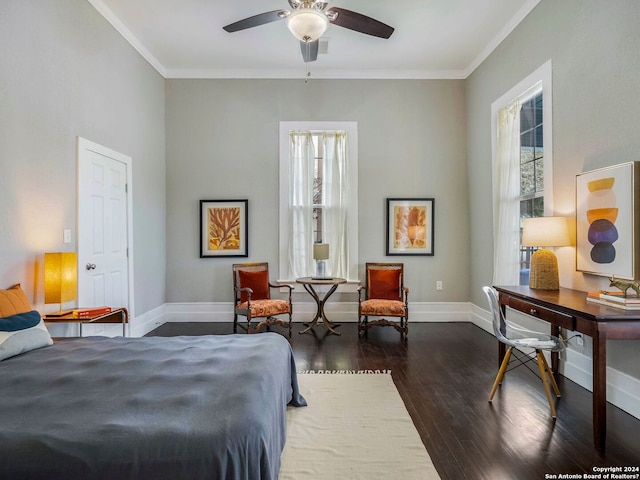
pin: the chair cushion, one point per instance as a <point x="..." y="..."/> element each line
<point x="384" y="284"/>
<point x="392" y="308"/>
<point x="258" y="281"/>
<point x="13" y="301"/>
<point x="265" y="308"/>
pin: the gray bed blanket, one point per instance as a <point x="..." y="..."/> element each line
<point x="209" y="407"/>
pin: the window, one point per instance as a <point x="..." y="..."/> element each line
<point x="318" y="197"/>
<point x="522" y="169"/>
<point x="531" y="171"/>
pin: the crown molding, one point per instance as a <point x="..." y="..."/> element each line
<point x="120" y="27"/>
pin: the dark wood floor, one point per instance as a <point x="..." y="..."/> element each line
<point x="444" y="374"/>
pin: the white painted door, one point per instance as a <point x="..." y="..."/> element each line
<point x="104" y="260"/>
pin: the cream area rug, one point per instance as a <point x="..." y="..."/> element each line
<point x="355" y="427"/>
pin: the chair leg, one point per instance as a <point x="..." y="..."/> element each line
<point x="543" y="374"/>
<point x="235" y="323"/>
<point x="290" y="325"/>
<point x="552" y="379"/>
<point x="500" y="375"/>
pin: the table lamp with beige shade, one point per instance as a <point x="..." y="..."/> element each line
<point x="545" y="232"/>
<point x="320" y="254"/>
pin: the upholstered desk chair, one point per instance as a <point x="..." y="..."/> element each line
<point x="384" y="295"/>
<point x="516" y="338"/>
<point x="252" y="298"/>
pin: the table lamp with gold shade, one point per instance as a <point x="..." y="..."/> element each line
<point x="545" y="232"/>
<point x="60" y="279"/>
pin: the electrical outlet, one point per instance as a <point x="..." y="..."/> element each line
<point x="439" y="285"/>
<point x="579" y="340"/>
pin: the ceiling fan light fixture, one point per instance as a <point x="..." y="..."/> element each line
<point x="307" y="24"/>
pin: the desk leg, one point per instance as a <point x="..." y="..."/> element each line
<point x="320" y="309"/>
<point x="600" y="385"/>
<point x="501" y="346"/>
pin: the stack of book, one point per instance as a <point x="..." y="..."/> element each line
<point x="615" y="299"/>
<point x="90" y="312"/>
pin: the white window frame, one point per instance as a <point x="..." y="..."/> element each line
<point x="540" y="79"/>
<point x="523" y="90"/>
<point x="352" y="208"/>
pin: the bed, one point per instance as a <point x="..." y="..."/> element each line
<point x="147" y="408"/>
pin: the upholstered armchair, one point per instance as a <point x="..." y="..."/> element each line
<point x="384" y="295"/>
<point x="252" y="298"/>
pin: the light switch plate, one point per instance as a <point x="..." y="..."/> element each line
<point x="67" y="235"/>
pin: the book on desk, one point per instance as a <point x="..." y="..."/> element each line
<point x="90" y="312"/>
<point x="615" y="300"/>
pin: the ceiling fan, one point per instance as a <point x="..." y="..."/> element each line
<point x="309" y="19"/>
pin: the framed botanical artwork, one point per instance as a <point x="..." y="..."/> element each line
<point x="410" y="229"/>
<point x="224" y="228"/>
<point x="608" y="222"/>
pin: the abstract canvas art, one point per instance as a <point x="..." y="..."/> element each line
<point x="606" y="221"/>
<point x="223" y="228"/>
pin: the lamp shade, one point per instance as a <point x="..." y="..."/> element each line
<point x="320" y="251"/>
<point x="546" y="232"/>
<point x="60" y="277"/>
<point x="307" y="24"/>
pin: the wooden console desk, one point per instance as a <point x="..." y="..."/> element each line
<point x="569" y="309"/>
<point x="117" y="315"/>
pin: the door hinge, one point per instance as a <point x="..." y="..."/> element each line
<point x="126" y="188"/>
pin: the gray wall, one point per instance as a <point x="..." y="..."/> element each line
<point x="594" y="47"/>
<point x="222" y="143"/>
<point x="65" y="72"/>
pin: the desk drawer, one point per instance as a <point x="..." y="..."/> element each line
<point x="556" y="318"/>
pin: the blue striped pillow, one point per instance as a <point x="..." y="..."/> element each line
<point x="22" y="333"/>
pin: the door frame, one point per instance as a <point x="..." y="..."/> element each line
<point x="83" y="147"/>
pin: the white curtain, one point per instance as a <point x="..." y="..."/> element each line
<point x="301" y="204"/>
<point x="506" y="201"/>
<point x="335" y="190"/>
<point x="334" y="146"/>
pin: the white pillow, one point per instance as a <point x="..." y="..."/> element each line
<point x="22" y="333"/>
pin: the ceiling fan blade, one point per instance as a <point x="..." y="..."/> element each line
<point x="256" y="20"/>
<point x="360" y="23"/>
<point x="309" y="50"/>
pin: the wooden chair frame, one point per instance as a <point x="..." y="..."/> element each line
<point x="364" y="324"/>
<point x="246" y="312"/>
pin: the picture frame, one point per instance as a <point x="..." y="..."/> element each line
<point x="608" y="221"/>
<point x="224" y="228"/>
<point x="410" y="227"/>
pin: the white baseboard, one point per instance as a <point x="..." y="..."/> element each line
<point x="150" y="320"/>
<point x="623" y="390"/>
<point x="305" y="311"/>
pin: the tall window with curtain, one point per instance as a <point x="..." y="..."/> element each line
<point x="522" y="170"/>
<point x="318" y="201"/>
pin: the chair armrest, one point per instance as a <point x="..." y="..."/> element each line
<point x="361" y="289"/>
<point x="280" y="285"/>
<point x="249" y="292"/>
<point x="285" y="285"/>
<point x="406" y="295"/>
